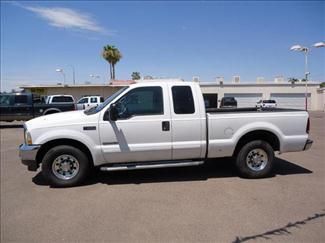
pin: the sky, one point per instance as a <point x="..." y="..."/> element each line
<point x="161" y="39"/>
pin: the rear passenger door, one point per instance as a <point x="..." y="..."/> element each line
<point x="187" y="128"/>
<point x="22" y="108"/>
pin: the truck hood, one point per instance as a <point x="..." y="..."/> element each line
<point x="61" y="119"/>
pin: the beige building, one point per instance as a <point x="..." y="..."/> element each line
<point x="247" y="94"/>
<point x="286" y="94"/>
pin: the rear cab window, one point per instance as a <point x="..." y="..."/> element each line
<point x="183" y="101"/>
<point x="62" y="99"/>
<point x="21" y="99"/>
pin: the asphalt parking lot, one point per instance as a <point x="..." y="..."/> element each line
<point x="208" y="203"/>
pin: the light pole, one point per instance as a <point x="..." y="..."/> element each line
<point x="94" y="76"/>
<point x="60" y="70"/>
<point x="306" y="50"/>
<point x="73" y="74"/>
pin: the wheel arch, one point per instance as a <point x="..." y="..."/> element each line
<point x="51" y="111"/>
<point x="264" y="135"/>
<point x="64" y="141"/>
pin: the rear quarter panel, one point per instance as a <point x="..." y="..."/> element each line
<point x="226" y="129"/>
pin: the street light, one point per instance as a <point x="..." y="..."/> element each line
<point x="94" y="76"/>
<point x="60" y="70"/>
<point x="306" y="50"/>
<point x="319" y="44"/>
<point x="73" y="74"/>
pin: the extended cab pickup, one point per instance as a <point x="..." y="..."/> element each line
<point x="159" y="124"/>
<point x="25" y="106"/>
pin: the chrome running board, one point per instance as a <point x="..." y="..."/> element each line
<point x="149" y="165"/>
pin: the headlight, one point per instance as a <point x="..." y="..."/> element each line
<point x="28" y="138"/>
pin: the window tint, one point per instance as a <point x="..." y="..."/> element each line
<point x="269" y="101"/>
<point x="210" y="100"/>
<point x="62" y="99"/>
<point x="93" y="100"/>
<point x="141" y="101"/>
<point x="183" y="100"/>
<point x="21" y="99"/>
<point x="101" y="99"/>
<point x="5" y="99"/>
<point x="83" y="101"/>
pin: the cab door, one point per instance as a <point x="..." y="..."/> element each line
<point x="142" y="131"/>
<point x="188" y="137"/>
<point x="23" y="107"/>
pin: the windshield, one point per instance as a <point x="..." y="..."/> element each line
<point x="96" y="109"/>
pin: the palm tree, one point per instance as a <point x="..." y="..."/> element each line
<point x="112" y="55"/>
<point x="293" y="80"/>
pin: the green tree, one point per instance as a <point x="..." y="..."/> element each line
<point x="112" y="55"/>
<point x="135" y="76"/>
<point x="293" y="80"/>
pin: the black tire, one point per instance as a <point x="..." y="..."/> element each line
<point x="245" y="159"/>
<point x="57" y="155"/>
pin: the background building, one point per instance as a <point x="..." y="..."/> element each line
<point x="289" y="95"/>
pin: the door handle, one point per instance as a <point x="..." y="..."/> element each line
<point x="165" y="126"/>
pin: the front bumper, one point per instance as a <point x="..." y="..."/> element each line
<point x="28" y="153"/>
<point x="308" y="144"/>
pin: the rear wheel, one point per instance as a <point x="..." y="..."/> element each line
<point x="65" y="166"/>
<point x="255" y="159"/>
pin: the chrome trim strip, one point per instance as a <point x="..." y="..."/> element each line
<point x="150" y="166"/>
<point x="28" y="152"/>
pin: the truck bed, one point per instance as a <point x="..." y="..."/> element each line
<point x="227" y="126"/>
<point x="249" y="110"/>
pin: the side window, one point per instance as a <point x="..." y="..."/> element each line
<point x="62" y="99"/>
<point x="5" y="99"/>
<point x="101" y="99"/>
<point x="183" y="100"/>
<point x="210" y="100"/>
<point x="93" y="100"/>
<point x="83" y="101"/>
<point x="21" y="99"/>
<point x="141" y="101"/>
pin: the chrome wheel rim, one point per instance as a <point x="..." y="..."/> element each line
<point x="257" y="159"/>
<point x="65" y="167"/>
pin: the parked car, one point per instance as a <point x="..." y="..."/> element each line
<point x="266" y="104"/>
<point x="60" y="99"/>
<point x="228" y="102"/>
<point x="89" y="101"/>
<point x="24" y="106"/>
<point x="155" y="125"/>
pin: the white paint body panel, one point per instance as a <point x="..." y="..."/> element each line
<point x="140" y="138"/>
<point x="225" y="130"/>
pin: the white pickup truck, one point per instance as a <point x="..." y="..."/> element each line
<point x="89" y="101"/>
<point x="155" y="125"/>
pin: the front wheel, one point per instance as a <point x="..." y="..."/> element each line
<point x="255" y="159"/>
<point x="65" y="166"/>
